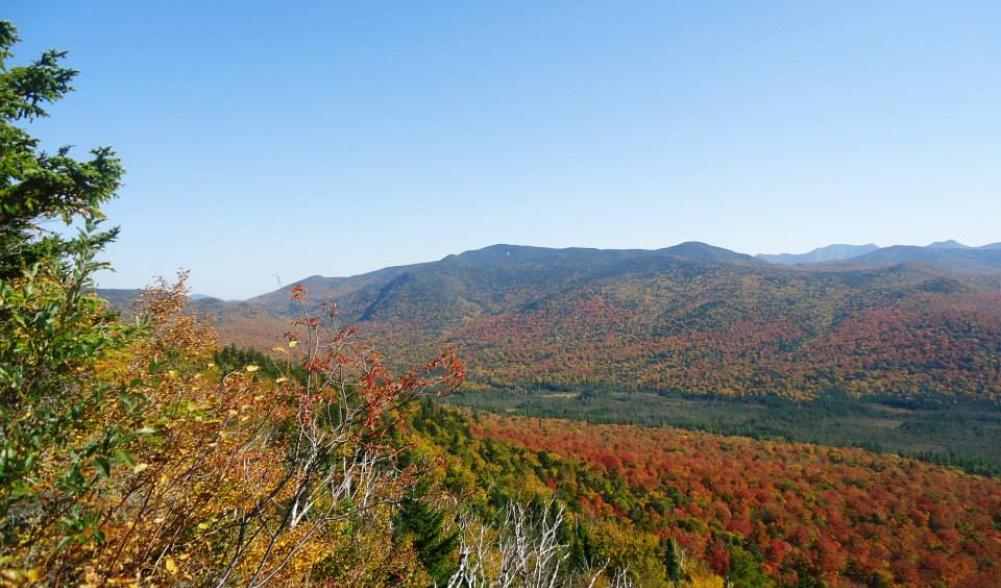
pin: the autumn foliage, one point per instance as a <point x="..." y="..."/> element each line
<point x="651" y="321"/>
<point x="843" y="516"/>
<point x="227" y="477"/>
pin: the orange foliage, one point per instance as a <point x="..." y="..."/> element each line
<point x="843" y="514"/>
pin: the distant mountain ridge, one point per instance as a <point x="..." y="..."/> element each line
<point x="944" y="255"/>
<point x="949" y="255"/>
<point x="870" y="255"/>
<point x="821" y="254"/>
<point x="948" y="244"/>
<point x="909" y="321"/>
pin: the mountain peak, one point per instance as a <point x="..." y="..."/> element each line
<point x="504" y="251"/>
<point x="950" y="244"/>
<point x="836" y="252"/>
<point x="699" y="251"/>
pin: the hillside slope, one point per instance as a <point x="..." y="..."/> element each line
<point x="948" y="256"/>
<point x="806" y="514"/>
<point x="692" y="318"/>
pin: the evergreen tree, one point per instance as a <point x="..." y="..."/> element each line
<point x="52" y="328"/>
<point x="673" y="561"/>
<point x="425" y="526"/>
<point x="581" y="548"/>
<point x="35" y="186"/>
<point x="745" y="569"/>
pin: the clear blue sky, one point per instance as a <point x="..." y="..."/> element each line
<point x="333" y="138"/>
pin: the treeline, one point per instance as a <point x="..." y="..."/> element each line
<point x="552" y="320"/>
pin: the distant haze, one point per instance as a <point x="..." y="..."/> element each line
<point x="828" y="253"/>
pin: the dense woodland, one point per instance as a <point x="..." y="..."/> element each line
<point x="806" y="514"/>
<point x="963" y="433"/>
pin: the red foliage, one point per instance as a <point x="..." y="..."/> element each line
<point x="831" y="510"/>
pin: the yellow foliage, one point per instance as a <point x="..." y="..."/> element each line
<point x="207" y="490"/>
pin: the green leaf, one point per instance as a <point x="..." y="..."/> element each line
<point x="124" y="458"/>
<point x="103" y="467"/>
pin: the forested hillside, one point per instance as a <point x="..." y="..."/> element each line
<point x="690" y="318"/>
<point x="801" y="515"/>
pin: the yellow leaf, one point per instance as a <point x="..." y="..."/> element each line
<point x="281" y="379"/>
<point x="292" y="343"/>
<point x="252" y="368"/>
<point x="139" y="467"/>
<point x="171" y="566"/>
<point x="279" y="349"/>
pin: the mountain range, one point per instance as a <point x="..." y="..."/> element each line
<point x="911" y="321"/>
<point x="945" y="254"/>
<point x="820" y="254"/>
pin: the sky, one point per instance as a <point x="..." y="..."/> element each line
<point x="269" y="141"/>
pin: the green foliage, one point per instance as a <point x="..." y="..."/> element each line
<point x="424" y="526"/>
<point x="491" y="474"/>
<point x="232" y="358"/>
<point x="672" y="560"/>
<point x="52" y="330"/>
<point x="35" y="186"/>
<point x="582" y="549"/>
<point x="745" y="569"/>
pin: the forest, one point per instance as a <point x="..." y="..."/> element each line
<point x="963" y="433"/>
<point x="808" y="515"/>
<point x="692" y="318"/>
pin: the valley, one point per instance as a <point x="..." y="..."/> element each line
<point x="893" y="357"/>
<point x="960" y="433"/>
